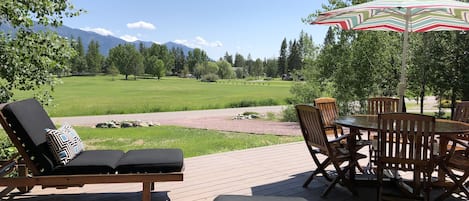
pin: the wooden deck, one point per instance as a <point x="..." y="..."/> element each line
<point x="278" y="170"/>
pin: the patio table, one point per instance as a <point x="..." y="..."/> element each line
<point x="443" y="128"/>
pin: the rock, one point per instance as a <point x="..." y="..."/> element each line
<point x="125" y="124"/>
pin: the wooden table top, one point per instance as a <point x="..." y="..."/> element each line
<point x="370" y="122"/>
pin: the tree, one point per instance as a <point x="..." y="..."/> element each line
<point x="239" y="60"/>
<point x="225" y="71"/>
<point x="79" y="61"/>
<point x="228" y="58"/>
<point x="179" y="60"/>
<point x="155" y="67"/>
<point x="282" y="59"/>
<point x="27" y="57"/>
<point x="206" y="68"/>
<point x="112" y="70"/>
<point x="270" y="67"/>
<point x="196" y="56"/>
<point x="258" y="68"/>
<point x="127" y="59"/>
<point x="94" y="59"/>
<point x="294" y="59"/>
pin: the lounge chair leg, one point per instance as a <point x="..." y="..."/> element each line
<point x="146" y="193"/>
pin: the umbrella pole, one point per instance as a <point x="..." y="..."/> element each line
<point x="402" y="82"/>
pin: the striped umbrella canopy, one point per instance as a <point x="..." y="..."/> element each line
<point x="400" y="16"/>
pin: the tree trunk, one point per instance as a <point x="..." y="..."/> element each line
<point x="453" y="101"/>
<point x="126" y="76"/>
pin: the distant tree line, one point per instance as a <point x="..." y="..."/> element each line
<point x="158" y="61"/>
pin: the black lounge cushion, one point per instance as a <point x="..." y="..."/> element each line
<point x="151" y="161"/>
<point x="28" y="120"/>
<point x="256" y="198"/>
<point x="91" y="162"/>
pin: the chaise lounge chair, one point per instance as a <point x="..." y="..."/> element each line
<point x="25" y="123"/>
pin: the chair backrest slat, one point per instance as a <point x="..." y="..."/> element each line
<point x="382" y="105"/>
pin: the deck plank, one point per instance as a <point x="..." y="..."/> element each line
<point x="277" y="170"/>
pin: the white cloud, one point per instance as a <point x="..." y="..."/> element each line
<point x="141" y="25"/>
<point x="101" y="31"/>
<point x="129" y="38"/>
<point x="199" y="42"/>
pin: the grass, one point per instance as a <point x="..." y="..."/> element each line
<point x="100" y="95"/>
<point x="193" y="142"/>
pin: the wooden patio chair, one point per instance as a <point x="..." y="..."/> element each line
<point x="25" y="123"/>
<point x="317" y="142"/>
<point x="375" y="106"/>
<point x="461" y="113"/>
<point x="378" y="105"/>
<point x="456" y="166"/>
<point x="330" y="112"/>
<point x="405" y="144"/>
<point x="456" y="162"/>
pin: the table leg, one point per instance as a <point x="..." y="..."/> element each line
<point x="351" y="146"/>
<point x="443" y="149"/>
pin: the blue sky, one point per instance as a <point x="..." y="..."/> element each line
<point x="255" y="27"/>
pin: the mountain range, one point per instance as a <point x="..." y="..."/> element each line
<point x="105" y="42"/>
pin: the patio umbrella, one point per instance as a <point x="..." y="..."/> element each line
<point x="400" y="16"/>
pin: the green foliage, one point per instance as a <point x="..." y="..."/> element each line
<point x="94" y="59"/>
<point x="195" y="57"/>
<point x="282" y="59"/>
<point x="206" y="68"/>
<point x="28" y="58"/>
<point x="194" y="142"/>
<point x="289" y="114"/>
<point x="127" y="59"/>
<point x="210" y="77"/>
<point x="7" y="149"/>
<point x="252" y="103"/>
<point x="155" y="67"/>
<point x="225" y="70"/>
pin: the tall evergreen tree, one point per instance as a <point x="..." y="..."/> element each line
<point x="228" y="58"/>
<point x="179" y="60"/>
<point x="94" y="59"/>
<point x="196" y="56"/>
<point x="282" y="59"/>
<point x="294" y="59"/>
<point x="239" y="60"/>
<point x="79" y="61"/>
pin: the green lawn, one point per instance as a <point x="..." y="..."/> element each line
<point x="194" y="142"/>
<point x="101" y="95"/>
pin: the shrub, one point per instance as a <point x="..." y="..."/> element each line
<point x="243" y="103"/>
<point x="289" y="114"/>
<point x="7" y="150"/>
<point x="209" y="78"/>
